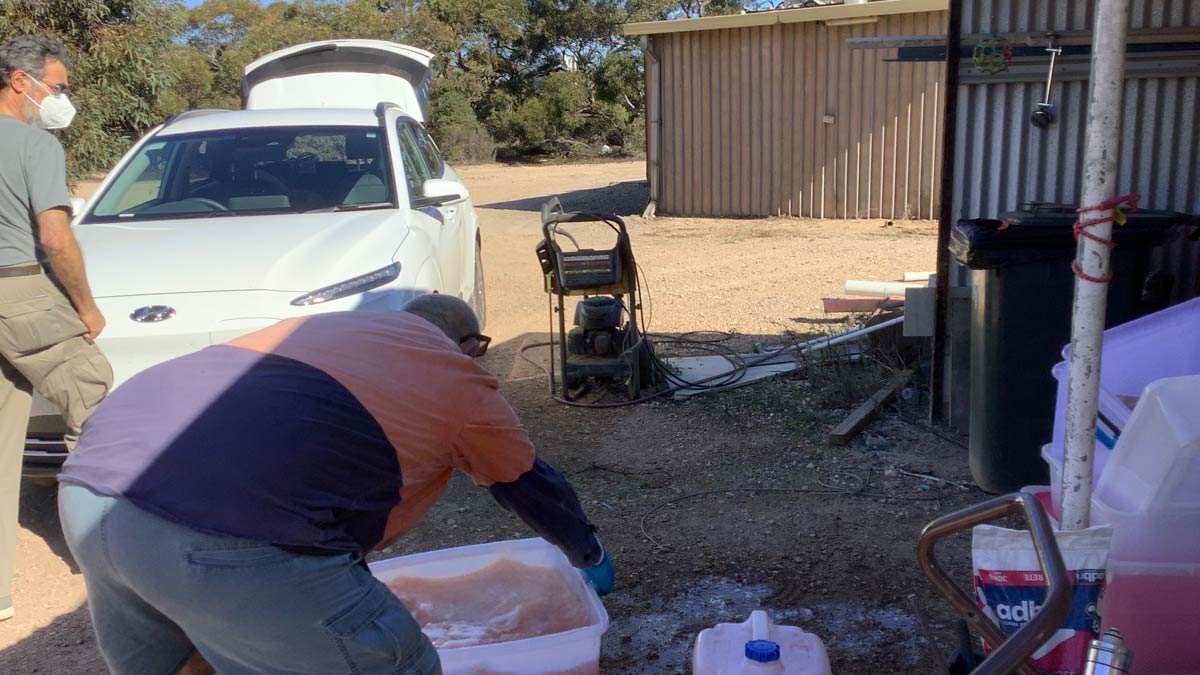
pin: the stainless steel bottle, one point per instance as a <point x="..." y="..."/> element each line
<point x="1109" y="656"/>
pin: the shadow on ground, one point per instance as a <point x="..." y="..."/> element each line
<point x="66" y="645"/>
<point x="39" y="513"/>
<point x="624" y="199"/>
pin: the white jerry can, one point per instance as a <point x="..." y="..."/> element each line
<point x="758" y="647"/>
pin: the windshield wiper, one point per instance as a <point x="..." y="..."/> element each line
<point x="354" y="207"/>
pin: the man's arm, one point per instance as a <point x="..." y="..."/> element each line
<point x="495" y="451"/>
<point x="545" y="501"/>
<point x="66" y="261"/>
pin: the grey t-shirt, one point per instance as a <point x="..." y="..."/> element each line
<point x="33" y="179"/>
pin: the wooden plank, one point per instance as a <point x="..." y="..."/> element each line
<point x="839" y="305"/>
<point x="844" y="432"/>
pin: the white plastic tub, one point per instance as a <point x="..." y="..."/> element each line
<point x="573" y="652"/>
<point x="1135" y="354"/>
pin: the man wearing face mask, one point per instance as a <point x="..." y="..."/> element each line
<point x="48" y="317"/>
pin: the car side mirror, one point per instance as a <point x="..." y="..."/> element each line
<point x="77" y="204"/>
<point x="438" y="191"/>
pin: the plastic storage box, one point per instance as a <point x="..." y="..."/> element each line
<point x="574" y="652"/>
<point x="1150" y="490"/>
<point x="1159" y="345"/>
<point x="1150" y="494"/>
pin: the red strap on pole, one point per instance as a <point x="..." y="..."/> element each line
<point x="1081" y="230"/>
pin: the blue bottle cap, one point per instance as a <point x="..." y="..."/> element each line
<point x="762" y="651"/>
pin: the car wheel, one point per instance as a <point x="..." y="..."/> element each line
<point x="479" y="296"/>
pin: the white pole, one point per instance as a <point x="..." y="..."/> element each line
<point x="1087" y="322"/>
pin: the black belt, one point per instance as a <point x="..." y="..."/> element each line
<point x="20" y="270"/>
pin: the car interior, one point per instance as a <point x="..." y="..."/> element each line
<point x="257" y="171"/>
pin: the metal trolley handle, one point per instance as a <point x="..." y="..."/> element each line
<point x="1012" y="654"/>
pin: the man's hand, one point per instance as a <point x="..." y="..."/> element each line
<point x="601" y="575"/>
<point x="94" y="320"/>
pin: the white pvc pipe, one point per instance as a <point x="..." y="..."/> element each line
<point x="876" y="289"/>
<point x="918" y="276"/>
<point x="1106" y="95"/>
<point x="831" y="340"/>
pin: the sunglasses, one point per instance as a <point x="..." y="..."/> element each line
<point x="483" y="341"/>
<point x="56" y="89"/>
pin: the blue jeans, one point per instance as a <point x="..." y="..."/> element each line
<point x="159" y="591"/>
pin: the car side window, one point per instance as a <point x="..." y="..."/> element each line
<point x="416" y="171"/>
<point x="429" y="150"/>
<point x="140" y="183"/>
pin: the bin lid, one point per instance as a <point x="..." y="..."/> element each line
<point x="1042" y="231"/>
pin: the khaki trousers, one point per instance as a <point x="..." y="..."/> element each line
<point x="42" y="348"/>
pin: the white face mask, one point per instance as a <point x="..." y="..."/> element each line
<point x="54" y="112"/>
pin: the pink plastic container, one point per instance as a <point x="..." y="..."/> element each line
<point x="758" y="647"/>
<point x="1156" y="606"/>
<point x="1150" y="494"/>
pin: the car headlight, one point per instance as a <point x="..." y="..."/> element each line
<point x="360" y="284"/>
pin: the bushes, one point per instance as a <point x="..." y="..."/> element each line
<point x="457" y="130"/>
<point x="119" y="70"/>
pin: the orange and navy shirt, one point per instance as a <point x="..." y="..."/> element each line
<point x="330" y="433"/>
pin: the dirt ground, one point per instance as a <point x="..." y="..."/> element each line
<point x="761" y="513"/>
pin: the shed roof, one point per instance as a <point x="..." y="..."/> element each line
<point x="770" y="18"/>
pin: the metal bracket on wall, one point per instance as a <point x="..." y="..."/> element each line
<point x="1043" y="116"/>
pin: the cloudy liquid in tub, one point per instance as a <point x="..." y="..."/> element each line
<point x="502" y="602"/>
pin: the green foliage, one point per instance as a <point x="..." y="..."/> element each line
<point x="119" y="73"/>
<point x="510" y="76"/>
<point x="457" y="129"/>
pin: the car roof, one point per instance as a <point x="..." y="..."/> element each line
<point x="219" y="120"/>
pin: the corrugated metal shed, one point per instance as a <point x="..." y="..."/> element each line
<point x="1001" y="160"/>
<point x="754" y="115"/>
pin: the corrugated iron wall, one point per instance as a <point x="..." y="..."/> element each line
<point x="1003" y="161"/>
<point x="744" y="128"/>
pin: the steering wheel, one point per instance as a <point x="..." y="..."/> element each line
<point x="214" y="204"/>
<point x="306" y="157"/>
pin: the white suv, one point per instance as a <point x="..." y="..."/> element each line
<point x="317" y="197"/>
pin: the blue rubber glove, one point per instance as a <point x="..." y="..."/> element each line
<point x="600" y="575"/>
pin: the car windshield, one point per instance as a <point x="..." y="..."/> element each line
<point x="251" y="171"/>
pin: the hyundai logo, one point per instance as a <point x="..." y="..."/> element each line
<point x="152" y="313"/>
